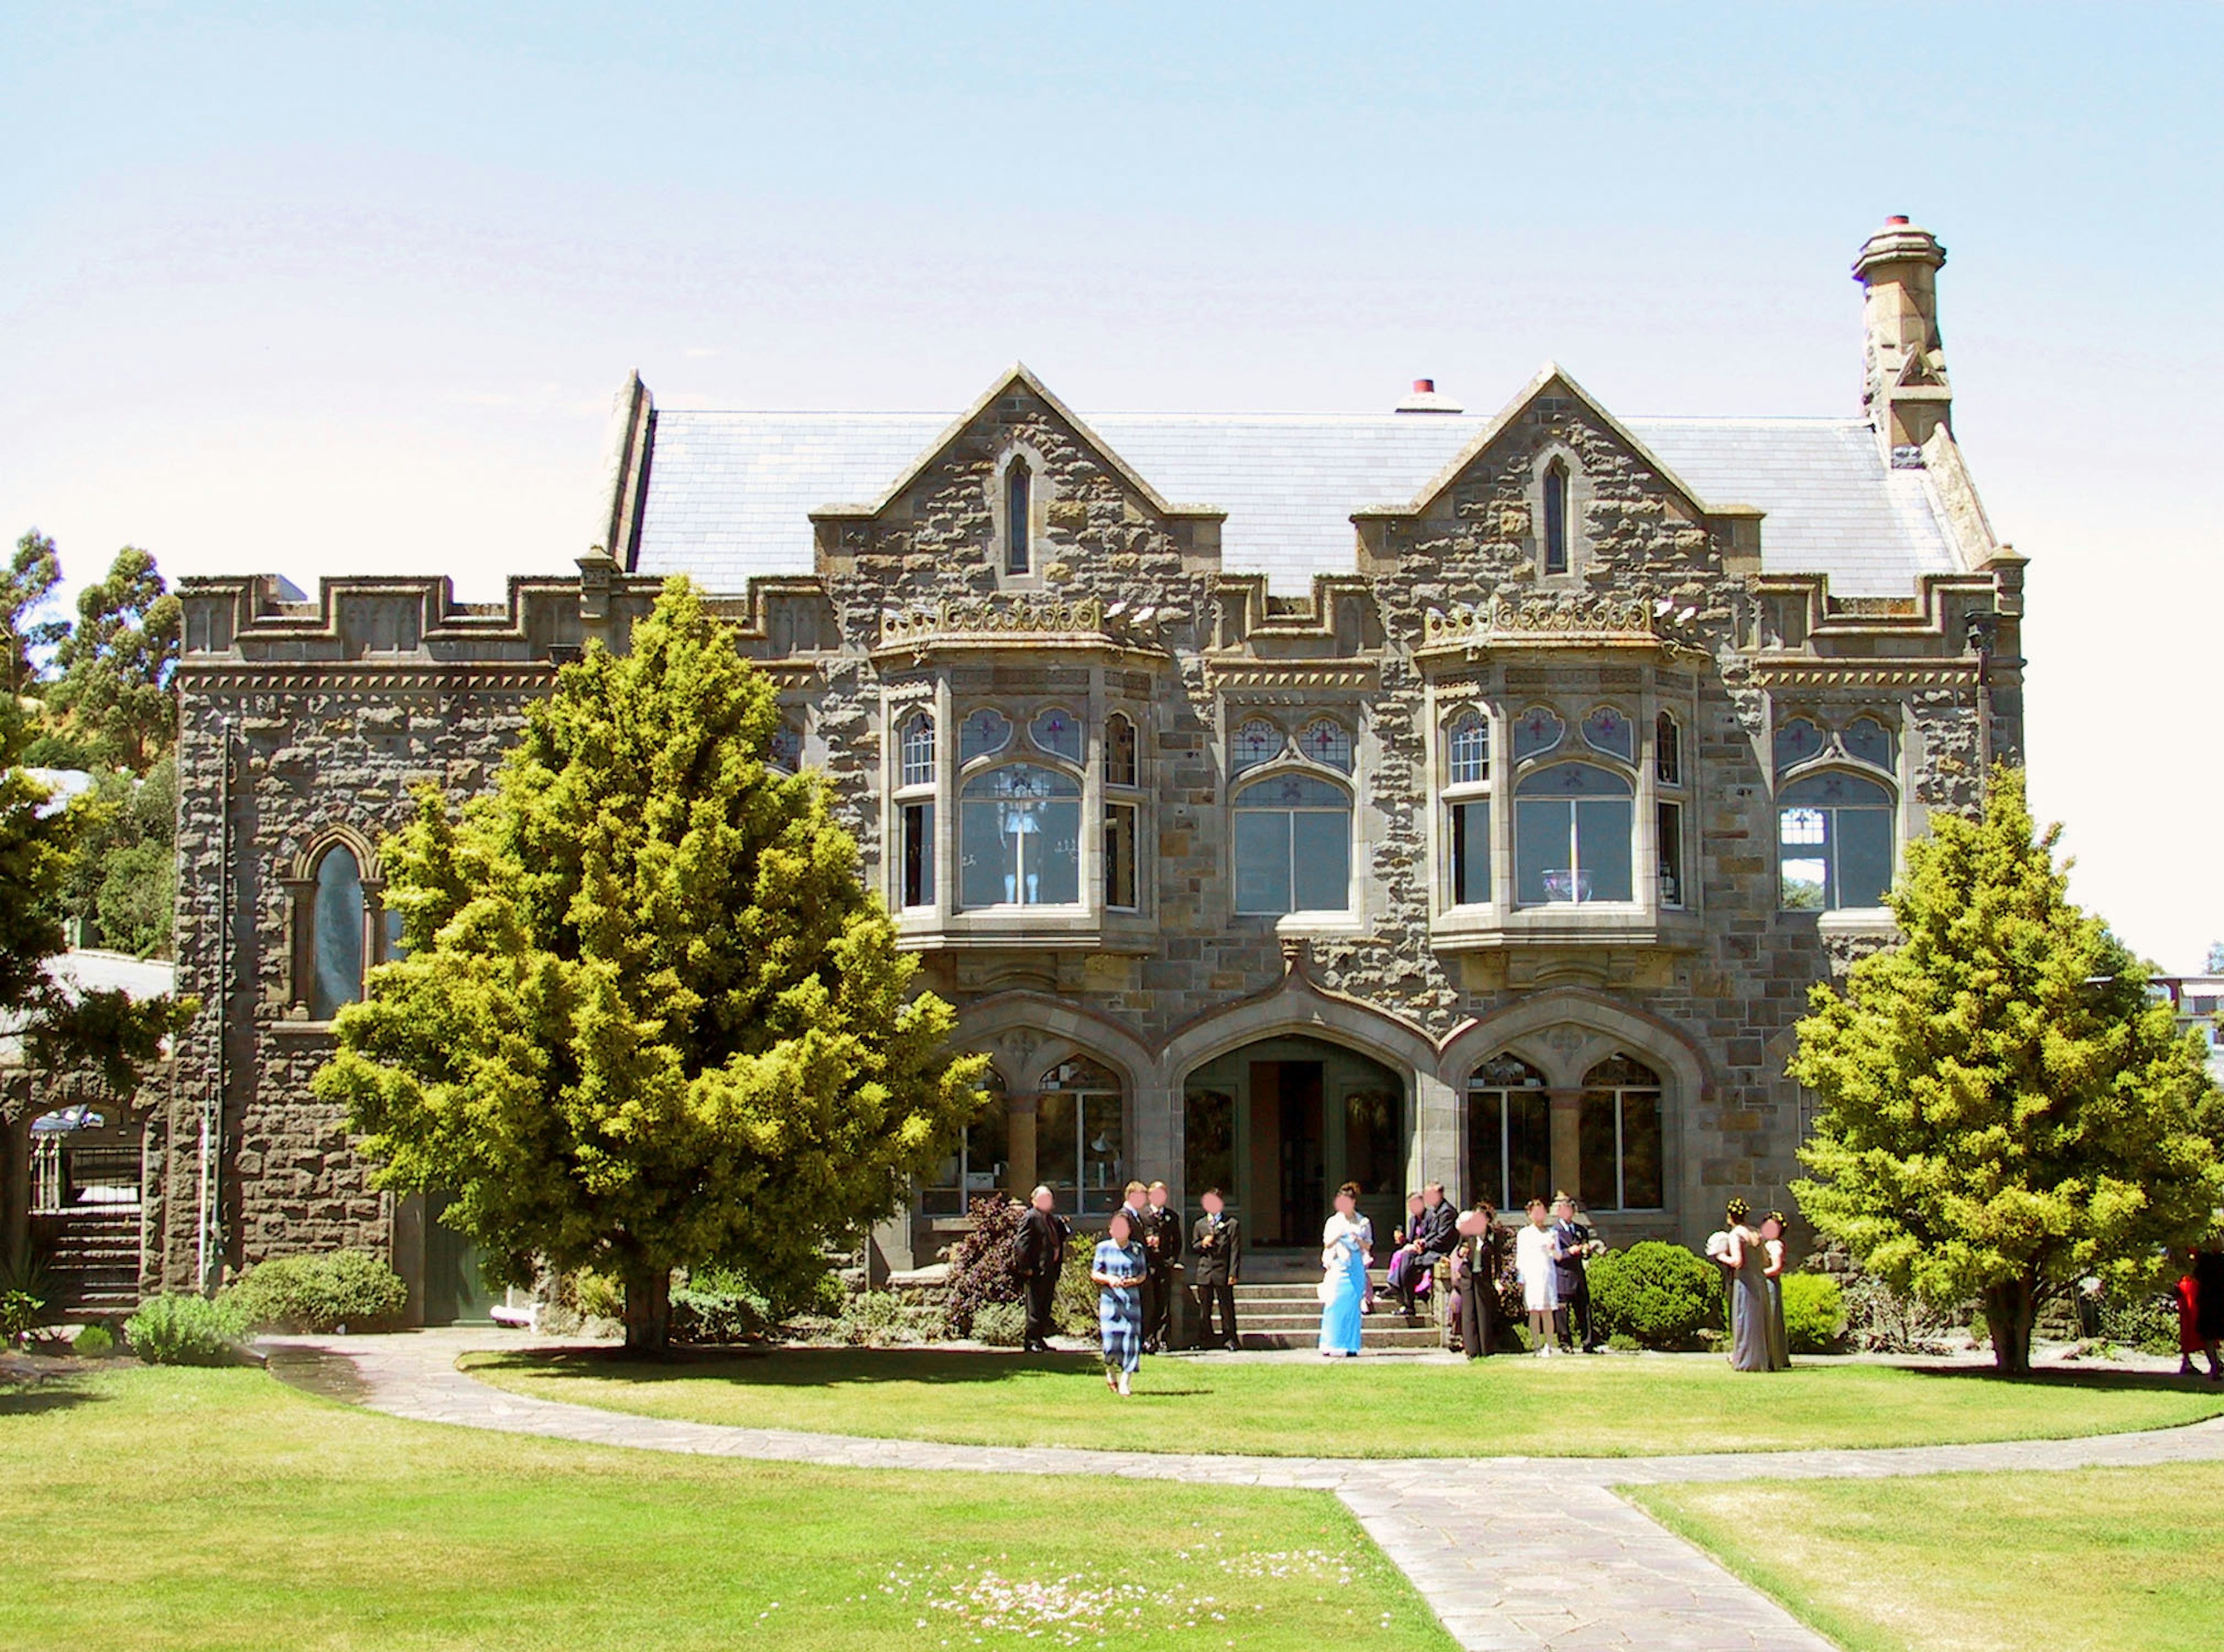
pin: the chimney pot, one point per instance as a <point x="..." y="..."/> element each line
<point x="1425" y="386"/>
<point x="1896" y="219"/>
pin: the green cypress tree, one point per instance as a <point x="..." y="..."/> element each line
<point x="648" y="1016"/>
<point x="2005" y="1108"/>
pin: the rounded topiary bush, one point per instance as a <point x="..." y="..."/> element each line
<point x="1814" y="1312"/>
<point x="1657" y="1293"/>
<point x="186" y="1331"/>
<point x="94" y="1342"/>
<point x="318" y="1293"/>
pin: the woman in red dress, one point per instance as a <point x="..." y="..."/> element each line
<point x="2189" y="1319"/>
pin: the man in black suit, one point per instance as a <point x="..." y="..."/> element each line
<point x="1434" y="1236"/>
<point x="1570" y="1245"/>
<point x="1162" y="1248"/>
<point x="1042" y="1248"/>
<point x="1219" y="1251"/>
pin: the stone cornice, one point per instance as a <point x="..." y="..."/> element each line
<point x="1296" y="676"/>
<point x="1809" y="672"/>
<point x="208" y="676"/>
<point x="1588" y="623"/>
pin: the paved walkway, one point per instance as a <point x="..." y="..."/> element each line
<point x="1581" y="1568"/>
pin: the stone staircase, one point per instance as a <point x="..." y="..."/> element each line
<point x="92" y="1254"/>
<point x="1285" y="1314"/>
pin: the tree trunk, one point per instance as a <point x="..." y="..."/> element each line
<point x="2011" y="1310"/>
<point x="648" y="1311"/>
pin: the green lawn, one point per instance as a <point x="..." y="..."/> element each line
<point x="2115" y="1559"/>
<point x="1610" y="1407"/>
<point x="183" y="1509"/>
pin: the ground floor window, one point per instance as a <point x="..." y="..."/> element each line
<point x="1620" y="1164"/>
<point x="981" y="1164"/>
<point x="1509" y="1134"/>
<point x="1080" y="1137"/>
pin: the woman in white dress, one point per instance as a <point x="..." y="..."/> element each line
<point x="1540" y="1280"/>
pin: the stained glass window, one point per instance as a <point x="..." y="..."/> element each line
<point x="1119" y="750"/>
<point x="785" y="750"/>
<point x="1538" y="732"/>
<point x="1257" y="741"/>
<point x="1327" y="741"/>
<point x="1796" y="741"/>
<point x="1607" y="730"/>
<point x="918" y="751"/>
<point x="1056" y="731"/>
<point x="1467" y="749"/>
<point x="984" y="733"/>
<point x="336" y="934"/>
<point x="1868" y="740"/>
<point x="1293" y="845"/>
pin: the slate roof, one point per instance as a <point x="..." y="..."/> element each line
<point x="729" y="494"/>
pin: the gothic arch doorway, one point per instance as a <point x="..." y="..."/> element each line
<point x="1279" y="1124"/>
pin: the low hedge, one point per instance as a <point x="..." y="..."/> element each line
<point x="318" y="1293"/>
<point x="186" y="1331"/>
<point x="1657" y="1293"/>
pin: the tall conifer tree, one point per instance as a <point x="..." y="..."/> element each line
<point x="648" y="1016"/>
<point x="2005" y="1108"/>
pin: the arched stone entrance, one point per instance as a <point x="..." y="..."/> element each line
<point x="1279" y="1123"/>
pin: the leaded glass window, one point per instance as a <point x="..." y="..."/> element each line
<point x="1607" y="730"/>
<point x="1555" y="518"/>
<point x="1293" y="845"/>
<point x="1120" y="765"/>
<point x="917" y="751"/>
<point x="1868" y="741"/>
<point x="983" y="734"/>
<point x="1620" y="1157"/>
<point x="1538" y="732"/>
<point x="1019" y="838"/>
<point x="783" y="751"/>
<point x="1019" y="507"/>
<point x="1467" y="749"/>
<point x="1056" y="731"/>
<point x="1667" y="750"/>
<point x="1255" y="742"/>
<point x="1796" y="741"/>
<point x="1509" y="1133"/>
<point x="1834" y="843"/>
<point x="1328" y="742"/>
<point x="1571" y="835"/>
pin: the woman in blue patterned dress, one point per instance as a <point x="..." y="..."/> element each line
<point x="1117" y="1269"/>
<point x="1346" y="1243"/>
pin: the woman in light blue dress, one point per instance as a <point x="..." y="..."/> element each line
<point x="1347" y="1246"/>
<point x="1117" y="1268"/>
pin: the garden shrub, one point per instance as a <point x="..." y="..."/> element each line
<point x="1622" y="1342"/>
<point x="881" y="1319"/>
<point x="94" y="1342"/>
<point x="1658" y="1293"/>
<point x="20" y="1313"/>
<point x="1879" y="1319"/>
<point x="1001" y="1325"/>
<point x="1814" y="1312"/>
<point x="985" y="1266"/>
<point x="714" y="1307"/>
<point x="596" y="1296"/>
<point x="2140" y="1321"/>
<point x="1073" y="1305"/>
<point x="318" y="1293"/>
<point x="186" y="1331"/>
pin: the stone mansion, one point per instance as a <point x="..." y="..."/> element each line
<point x="1282" y="799"/>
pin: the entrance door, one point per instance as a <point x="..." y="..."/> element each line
<point x="456" y="1292"/>
<point x="1277" y="1126"/>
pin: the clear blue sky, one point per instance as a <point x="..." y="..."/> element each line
<point x="323" y="290"/>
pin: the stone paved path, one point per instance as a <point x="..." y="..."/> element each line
<point x="1581" y="1568"/>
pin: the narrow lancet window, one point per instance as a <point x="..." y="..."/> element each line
<point x="1018" y="504"/>
<point x="1556" y="519"/>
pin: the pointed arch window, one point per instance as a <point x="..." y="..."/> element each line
<point x="1018" y="505"/>
<point x="1555" y="518"/>
<point x="1080" y="1136"/>
<point x="1619" y="1164"/>
<point x="915" y="779"/>
<point x="336" y="933"/>
<point x="1509" y="1133"/>
<point x="1122" y="813"/>
<point x="979" y="1162"/>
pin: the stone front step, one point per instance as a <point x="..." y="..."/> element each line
<point x="1372" y="1338"/>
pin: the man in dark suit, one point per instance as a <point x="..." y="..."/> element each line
<point x="1162" y="1248"/>
<point x="1042" y="1248"/>
<point x="1434" y="1236"/>
<point x="1572" y="1243"/>
<point x="1219" y="1251"/>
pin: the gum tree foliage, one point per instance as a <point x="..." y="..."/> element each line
<point x="31" y="578"/>
<point x="2005" y="1109"/>
<point x="113" y="691"/>
<point x="122" y="877"/>
<point x="649" y="1016"/>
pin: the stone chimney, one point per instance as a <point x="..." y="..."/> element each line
<point x="1903" y="392"/>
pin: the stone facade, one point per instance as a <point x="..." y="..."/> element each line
<point x="1555" y="605"/>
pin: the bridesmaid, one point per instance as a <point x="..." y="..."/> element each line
<point x="1749" y="1321"/>
<point x="1117" y="1271"/>
<point x="1347" y="1247"/>
<point x="1772" y="1245"/>
<point x="1540" y="1279"/>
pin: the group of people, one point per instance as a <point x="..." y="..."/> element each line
<point x="1752" y="1261"/>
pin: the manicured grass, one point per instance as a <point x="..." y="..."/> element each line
<point x="184" y="1509"/>
<point x="2114" y="1560"/>
<point x="1605" y="1406"/>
